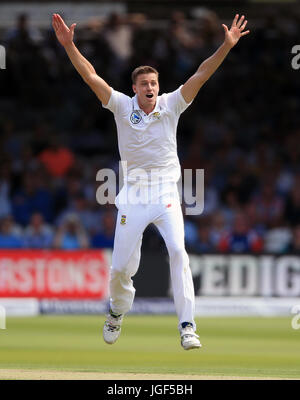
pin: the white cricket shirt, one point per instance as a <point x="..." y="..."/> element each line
<point x="148" y="142"/>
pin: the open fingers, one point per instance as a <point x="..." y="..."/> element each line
<point x="54" y="23"/>
<point x="245" y="33"/>
<point x="225" y="27"/>
<point x="60" y="22"/>
<point x="60" y="19"/>
<point x="234" y="21"/>
<point x="239" y="23"/>
<point x="243" y="26"/>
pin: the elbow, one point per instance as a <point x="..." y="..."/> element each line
<point x="201" y="77"/>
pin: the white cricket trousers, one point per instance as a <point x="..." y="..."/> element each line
<point x="132" y="220"/>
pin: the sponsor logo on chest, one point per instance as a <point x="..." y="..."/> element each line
<point x="136" y="118"/>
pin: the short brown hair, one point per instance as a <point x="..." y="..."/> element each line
<point x="144" y="69"/>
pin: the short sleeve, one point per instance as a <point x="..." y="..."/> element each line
<point x="118" y="103"/>
<point x="176" y="102"/>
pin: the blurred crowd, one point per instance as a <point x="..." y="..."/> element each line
<point x="243" y="129"/>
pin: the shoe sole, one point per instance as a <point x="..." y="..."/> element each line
<point x="110" y="342"/>
<point x="192" y="347"/>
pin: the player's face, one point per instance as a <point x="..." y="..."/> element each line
<point x="146" y="87"/>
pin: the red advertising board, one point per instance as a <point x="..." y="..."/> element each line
<point x="54" y="274"/>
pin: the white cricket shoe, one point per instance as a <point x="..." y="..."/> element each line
<point x="189" y="339"/>
<point x="112" y="328"/>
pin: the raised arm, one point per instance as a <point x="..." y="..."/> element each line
<point x="192" y="86"/>
<point x="83" y="66"/>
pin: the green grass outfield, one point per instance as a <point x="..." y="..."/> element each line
<point x="259" y="347"/>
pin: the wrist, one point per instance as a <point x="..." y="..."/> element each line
<point x="69" y="45"/>
<point x="227" y="46"/>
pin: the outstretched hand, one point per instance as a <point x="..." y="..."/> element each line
<point x="63" y="33"/>
<point x="233" y="35"/>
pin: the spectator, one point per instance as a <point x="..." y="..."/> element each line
<point x="118" y="34"/>
<point x="240" y="239"/>
<point x="204" y="243"/>
<point x="10" y="235"/>
<point x="294" y="245"/>
<point x="269" y="205"/>
<point x="183" y="41"/>
<point x="218" y="228"/>
<point x="11" y="140"/>
<point x="22" y="32"/>
<point x="33" y="196"/>
<point x="66" y="190"/>
<point x="25" y="162"/>
<point x="71" y="235"/>
<point x="292" y="206"/>
<point x="38" y="141"/>
<point x="5" y="187"/>
<point x="38" y="235"/>
<point x="257" y="222"/>
<point x="28" y="79"/>
<point x="190" y="233"/>
<point x="105" y="237"/>
<point x="209" y="27"/>
<point x="231" y="206"/>
<point x="234" y="140"/>
<point x="80" y="207"/>
<point x="57" y="159"/>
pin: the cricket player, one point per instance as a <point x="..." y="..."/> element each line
<point x="146" y="127"/>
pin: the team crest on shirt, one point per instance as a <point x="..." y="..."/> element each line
<point x="135" y="117"/>
<point x="123" y="220"/>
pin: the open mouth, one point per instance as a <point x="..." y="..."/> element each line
<point x="149" y="96"/>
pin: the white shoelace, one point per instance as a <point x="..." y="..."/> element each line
<point x="189" y="333"/>
<point x="112" y="328"/>
<point x="113" y="324"/>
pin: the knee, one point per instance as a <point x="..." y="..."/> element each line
<point x="118" y="271"/>
<point x="119" y="265"/>
<point x="123" y="270"/>
<point x="126" y="265"/>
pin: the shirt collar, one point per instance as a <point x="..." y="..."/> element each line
<point x="137" y="107"/>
